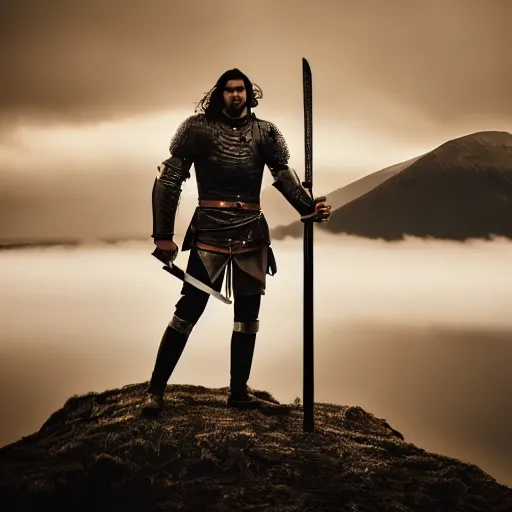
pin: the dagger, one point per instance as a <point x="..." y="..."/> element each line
<point x="177" y="272"/>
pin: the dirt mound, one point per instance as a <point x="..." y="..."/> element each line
<point x="98" y="453"/>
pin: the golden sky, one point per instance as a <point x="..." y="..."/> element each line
<point x="90" y="95"/>
<point x="91" y="92"/>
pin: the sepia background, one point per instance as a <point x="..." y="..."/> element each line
<point x="417" y="332"/>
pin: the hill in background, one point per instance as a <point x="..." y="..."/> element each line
<point x="460" y="190"/>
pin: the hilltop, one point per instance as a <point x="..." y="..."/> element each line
<point x="98" y="453"/>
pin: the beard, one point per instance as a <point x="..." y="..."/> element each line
<point x="235" y="109"/>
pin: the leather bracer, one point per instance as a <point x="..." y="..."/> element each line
<point x="288" y="183"/>
<point x="166" y="195"/>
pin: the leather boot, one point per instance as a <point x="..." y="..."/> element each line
<point x="242" y="351"/>
<point x="171" y="347"/>
<point x="243" y="341"/>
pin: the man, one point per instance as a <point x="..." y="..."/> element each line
<point x="228" y="235"/>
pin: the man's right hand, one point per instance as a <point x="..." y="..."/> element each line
<point x="168" y="246"/>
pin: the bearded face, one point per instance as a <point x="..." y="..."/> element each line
<point x="235" y="97"/>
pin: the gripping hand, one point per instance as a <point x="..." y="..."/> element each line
<point x="322" y="211"/>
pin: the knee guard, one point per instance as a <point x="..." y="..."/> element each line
<point x="183" y="326"/>
<point x="246" y="327"/>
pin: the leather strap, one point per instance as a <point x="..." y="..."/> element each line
<point x="229" y="204"/>
<point x="227" y="250"/>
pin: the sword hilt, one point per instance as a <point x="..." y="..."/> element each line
<point x="166" y="257"/>
<point x="175" y="271"/>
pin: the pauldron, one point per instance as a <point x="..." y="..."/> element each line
<point x="286" y="179"/>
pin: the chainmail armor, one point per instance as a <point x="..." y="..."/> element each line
<point x="187" y="139"/>
<point x="276" y="149"/>
<point x="229" y="157"/>
<point x="286" y="179"/>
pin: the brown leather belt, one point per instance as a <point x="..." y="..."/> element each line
<point x="227" y="250"/>
<point x="229" y="204"/>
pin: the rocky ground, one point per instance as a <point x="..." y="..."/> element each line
<point x="98" y="453"/>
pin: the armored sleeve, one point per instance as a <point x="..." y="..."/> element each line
<point x="170" y="177"/>
<point x="286" y="179"/>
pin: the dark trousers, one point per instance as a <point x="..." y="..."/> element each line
<point x="193" y="302"/>
<point x="189" y="309"/>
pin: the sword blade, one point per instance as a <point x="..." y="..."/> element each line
<point x="307" y="88"/>
<point x="205" y="288"/>
<point x="308" y="320"/>
<point x="177" y="272"/>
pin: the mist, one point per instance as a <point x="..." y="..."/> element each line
<point x="412" y="69"/>
<point x="93" y="92"/>
<point x="95" y="181"/>
<point x="417" y="332"/>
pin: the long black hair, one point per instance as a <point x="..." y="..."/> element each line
<point x="213" y="101"/>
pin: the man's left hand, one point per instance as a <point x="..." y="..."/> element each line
<point x="323" y="211"/>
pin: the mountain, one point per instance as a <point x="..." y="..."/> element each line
<point x="460" y="190"/>
<point x="97" y="453"/>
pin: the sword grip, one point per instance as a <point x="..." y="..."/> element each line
<point x="175" y="271"/>
<point x="161" y="255"/>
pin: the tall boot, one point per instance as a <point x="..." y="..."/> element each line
<point x="171" y="347"/>
<point x="243" y="341"/>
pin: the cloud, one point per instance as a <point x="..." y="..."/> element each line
<point x="385" y="91"/>
<point x="417" y="332"/>
<point x="95" y="180"/>
<point x="401" y="64"/>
